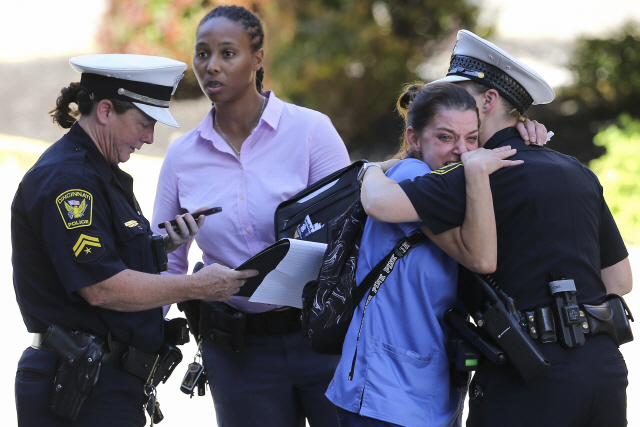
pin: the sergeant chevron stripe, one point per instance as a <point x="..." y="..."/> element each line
<point x="84" y="241"/>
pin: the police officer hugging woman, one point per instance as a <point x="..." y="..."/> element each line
<point x="561" y="262"/>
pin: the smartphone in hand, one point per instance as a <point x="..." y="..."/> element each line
<point x="206" y="212"/>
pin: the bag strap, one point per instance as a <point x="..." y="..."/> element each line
<point x="378" y="275"/>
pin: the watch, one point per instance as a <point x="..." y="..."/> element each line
<point x="364" y="168"/>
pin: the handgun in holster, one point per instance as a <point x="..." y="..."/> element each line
<point x="502" y="324"/>
<point x="80" y="357"/>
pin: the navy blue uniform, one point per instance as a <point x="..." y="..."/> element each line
<point x="550" y="216"/>
<point x="75" y="222"/>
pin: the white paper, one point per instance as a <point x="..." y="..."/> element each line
<point x="284" y="284"/>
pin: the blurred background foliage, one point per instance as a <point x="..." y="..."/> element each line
<point x="606" y="84"/>
<point x="618" y="174"/>
<point x="346" y="58"/>
<point x="350" y="58"/>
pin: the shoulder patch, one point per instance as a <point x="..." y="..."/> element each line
<point x="76" y="208"/>
<point x="87" y="248"/>
<point x="446" y="169"/>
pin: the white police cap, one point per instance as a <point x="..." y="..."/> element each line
<point x="146" y="81"/>
<point x="476" y="59"/>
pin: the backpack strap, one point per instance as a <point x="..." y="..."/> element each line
<point x="378" y="275"/>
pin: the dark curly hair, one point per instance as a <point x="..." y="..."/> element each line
<point x="66" y="116"/>
<point x="252" y="25"/>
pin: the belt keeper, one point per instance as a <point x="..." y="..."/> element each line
<point x="531" y="324"/>
<point x="546" y="325"/>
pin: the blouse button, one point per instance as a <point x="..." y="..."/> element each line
<point x="242" y="197"/>
<point x="246" y="229"/>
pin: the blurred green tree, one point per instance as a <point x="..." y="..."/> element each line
<point x="158" y="27"/>
<point x="618" y="172"/>
<point x="607" y="84"/>
<point x="350" y="58"/>
<point x="346" y="58"/>
<point x="607" y="71"/>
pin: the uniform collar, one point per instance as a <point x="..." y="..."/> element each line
<point x="507" y="136"/>
<point x="83" y="141"/>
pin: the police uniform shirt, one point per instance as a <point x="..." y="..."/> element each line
<point x="75" y="222"/>
<point x="550" y="215"/>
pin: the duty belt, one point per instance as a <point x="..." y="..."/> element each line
<point x="275" y="322"/>
<point x="610" y="318"/>
<point x="120" y="356"/>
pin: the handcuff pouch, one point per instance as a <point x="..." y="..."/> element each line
<point x="611" y="318"/>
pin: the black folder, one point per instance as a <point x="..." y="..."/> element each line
<point x="265" y="261"/>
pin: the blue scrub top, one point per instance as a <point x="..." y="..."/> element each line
<point x="402" y="370"/>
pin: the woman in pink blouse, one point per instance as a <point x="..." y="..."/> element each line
<point x="251" y="152"/>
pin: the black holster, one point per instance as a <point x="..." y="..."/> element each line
<point x="80" y="357"/>
<point x="225" y="326"/>
<point x="170" y="357"/>
<point x="191" y="309"/>
<point x="610" y="318"/>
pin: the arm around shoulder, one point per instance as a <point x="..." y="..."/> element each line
<point x="384" y="200"/>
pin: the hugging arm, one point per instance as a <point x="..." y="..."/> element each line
<point x="474" y="243"/>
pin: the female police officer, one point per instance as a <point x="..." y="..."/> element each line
<point x="552" y="222"/>
<point x="82" y="252"/>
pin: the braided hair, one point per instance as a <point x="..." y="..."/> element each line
<point x="251" y="24"/>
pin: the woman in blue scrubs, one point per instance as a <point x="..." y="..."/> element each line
<point x="401" y="371"/>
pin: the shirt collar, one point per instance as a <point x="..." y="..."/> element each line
<point x="83" y="140"/>
<point x="271" y="116"/>
<point x="501" y="137"/>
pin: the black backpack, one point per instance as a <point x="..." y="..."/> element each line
<point x="328" y="303"/>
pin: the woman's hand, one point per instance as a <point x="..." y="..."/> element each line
<point x="188" y="227"/>
<point x="533" y="132"/>
<point x="488" y="161"/>
<point x="388" y="164"/>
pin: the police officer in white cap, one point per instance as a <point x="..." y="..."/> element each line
<point x="553" y="225"/>
<point x="84" y="258"/>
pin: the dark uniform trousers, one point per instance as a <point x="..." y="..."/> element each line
<point x="583" y="387"/>
<point x="116" y="399"/>
<point x="279" y="377"/>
